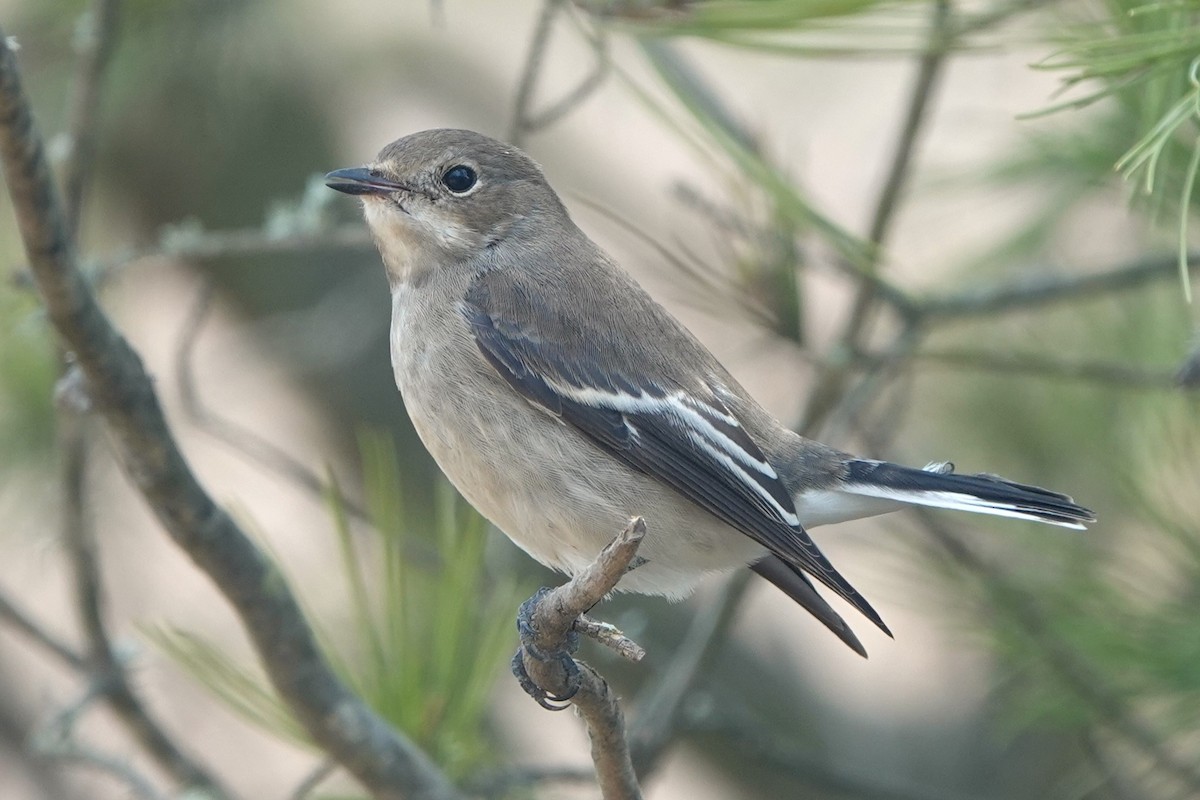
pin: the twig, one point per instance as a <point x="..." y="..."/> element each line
<point x="607" y="634"/>
<point x="657" y="720"/>
<point x="95" y="41"/>
<point x="18" y="619"/>
<point x="829" y="387"/>
<point x="1042" y="287"/>
<point x="525" y="121"/>
<point x="102" y="659"/>
<point x="552" y="618"/>
<point x="387" y="764"/>
<point x="1131" y="376"/>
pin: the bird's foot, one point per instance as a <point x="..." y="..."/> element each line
<point x="567" y="674"/>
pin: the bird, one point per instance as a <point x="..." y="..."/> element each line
<point x="561" y="399"/>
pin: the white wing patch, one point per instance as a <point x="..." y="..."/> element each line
<point x="697" y="417"/>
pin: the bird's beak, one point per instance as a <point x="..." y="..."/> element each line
<point x="360" y="180"/>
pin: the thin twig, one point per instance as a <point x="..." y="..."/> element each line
<point x="18" y="619"/>
<point x="829" y="387"/>
<point x="525" y="120"/>
<point x="95" y="40"/>
<point x="387" y="764"/>
<point x="1132" y="376"/>
<point x="1043" y="287"/>
<point x="552" y="617"/>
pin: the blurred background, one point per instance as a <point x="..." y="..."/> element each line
<point x="920" y="231"/>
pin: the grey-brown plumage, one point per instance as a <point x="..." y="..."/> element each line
<point x="560" y="399"/>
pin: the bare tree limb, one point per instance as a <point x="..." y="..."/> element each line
<point x="501" y="783"/>
<point x="552" y="615"/>
<point x="1043" y="287"/>
<point x="388" y="764"/>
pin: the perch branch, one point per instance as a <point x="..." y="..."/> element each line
<point x="552" y="617"/>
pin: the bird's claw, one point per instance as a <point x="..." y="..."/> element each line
<point x="547" y="700"/>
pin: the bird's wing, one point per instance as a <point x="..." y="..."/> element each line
<point x="685" y="437"/>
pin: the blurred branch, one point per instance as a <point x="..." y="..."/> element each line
<point x="551" y="619"/>
<point x="95" y="39"/>
<point x="18" y="619"/>
<point x="1120" y="375"/>
<point x="829" y="386"/>
<point x="386" y="763"/>
<point x="103" y="663"/>
<point x="262" y="451"/>
<point x="201" y="245"/>
<point x="525" y="121"/>
<point x="1043" y="288"/>
<point x="659" y="704"/>
<point x="56" y="741"/>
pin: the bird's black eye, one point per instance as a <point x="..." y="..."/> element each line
<point x="459" y="178"/>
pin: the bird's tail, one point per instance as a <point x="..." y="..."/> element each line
<point x="939" y="486"/>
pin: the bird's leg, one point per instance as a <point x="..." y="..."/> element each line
<point x="563" y="655"/>
<point x="550" y="623"/>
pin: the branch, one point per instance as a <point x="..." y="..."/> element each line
<point x="96" y="39"/>
<point x="829" y="388"/>
<point x="1132" y="376"/>
<point x="1043" y="288"/>
<point x="552" y="615"/>
<point x="389" y="765"/>
<point x="525" y="121"/>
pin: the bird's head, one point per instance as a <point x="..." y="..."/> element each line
<point x="446" y="195"/>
